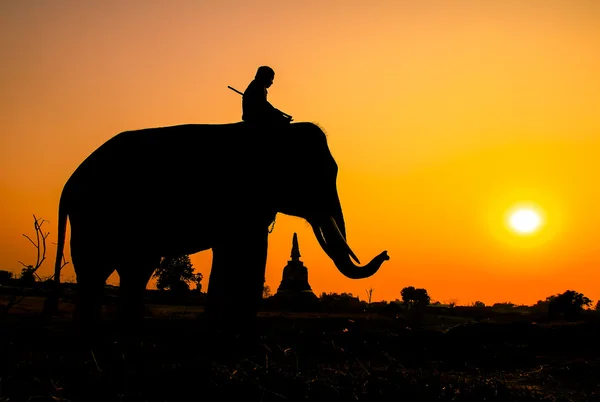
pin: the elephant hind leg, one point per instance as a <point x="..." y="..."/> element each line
<point x="134" y="273"/>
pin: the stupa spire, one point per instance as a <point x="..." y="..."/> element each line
<point x="295" y="248"/>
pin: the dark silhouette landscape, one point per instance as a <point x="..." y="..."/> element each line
<point x="332" y="347"/>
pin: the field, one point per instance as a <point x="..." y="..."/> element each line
<point x="333" y="357"/>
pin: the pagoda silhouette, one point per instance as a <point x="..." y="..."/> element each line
<point x="294" y="292"/>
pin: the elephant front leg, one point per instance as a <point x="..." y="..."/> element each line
<point x="134" y="276"/>
<point x="236" y="283"/>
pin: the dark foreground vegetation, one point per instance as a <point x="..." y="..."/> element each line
<point x="301" y="356"/>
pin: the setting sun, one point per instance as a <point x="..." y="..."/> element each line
<point x="524" y="220"/>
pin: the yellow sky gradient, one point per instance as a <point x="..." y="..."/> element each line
<point x="441" y="116"/>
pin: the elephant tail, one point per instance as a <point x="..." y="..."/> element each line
<point x="51" y="303"/>
<point x="62" y="229"/>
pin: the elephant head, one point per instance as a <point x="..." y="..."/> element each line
<point x="307" y="188"/>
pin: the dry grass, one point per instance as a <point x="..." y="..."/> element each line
<point x="299" y="357"/>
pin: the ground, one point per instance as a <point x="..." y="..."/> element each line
<point x="337" y="357"/>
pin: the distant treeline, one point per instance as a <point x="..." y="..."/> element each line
<point x="414" y="302"/>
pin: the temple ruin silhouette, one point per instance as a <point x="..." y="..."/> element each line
<point x="294" y="291"/>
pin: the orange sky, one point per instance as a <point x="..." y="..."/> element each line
<point x="441" y="116"/>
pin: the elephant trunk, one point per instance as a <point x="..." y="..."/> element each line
<point x="332" y="239"/>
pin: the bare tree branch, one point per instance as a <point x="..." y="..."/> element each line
<point x="29" y="238"/>
<point x="37" y="228"/>
<point x="40" y="246"/>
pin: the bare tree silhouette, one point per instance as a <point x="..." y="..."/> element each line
<point x="29" y="271"/>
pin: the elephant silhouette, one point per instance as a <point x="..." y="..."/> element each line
<point x="156" y="192"/>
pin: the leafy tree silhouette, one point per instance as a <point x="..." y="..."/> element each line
<point x="542" y="306"/>
<point x="478" y="304"/>
<point x="197" y="279"/>
<point x="266" y="292"/>
<point x="27" y="275"/>
<point x="570" y="304"/>
<point x="503" y="306"/>
<point x="340" y="301"/>
<point x="415" y="297"/>
<point x="598" y="305"/>
<point x="266" y="289"/>
<point x="5" y="277"/>
<point x="336" y="296"/>
<point x="174" y="274"/>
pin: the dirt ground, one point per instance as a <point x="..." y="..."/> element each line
<point x="298" y="357"/>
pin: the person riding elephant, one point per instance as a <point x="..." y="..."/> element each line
<point x="256" y="109"/>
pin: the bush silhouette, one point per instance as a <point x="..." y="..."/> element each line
<point x="5" y="277"/>
<point x="569" y="304"/>
<point x="174" y="274"/>
<point x="27" y="276"/>
<point x="415" y="297"/>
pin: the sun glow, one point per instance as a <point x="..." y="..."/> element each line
<point x="523" y="226"/>
<point x="524" y="220"/>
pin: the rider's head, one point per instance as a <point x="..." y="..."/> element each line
<point x="265" y="75"/>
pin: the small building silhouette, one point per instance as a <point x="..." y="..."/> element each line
<point x="294" y="291"/>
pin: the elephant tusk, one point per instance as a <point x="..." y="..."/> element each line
<point x="344" y="240"/>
